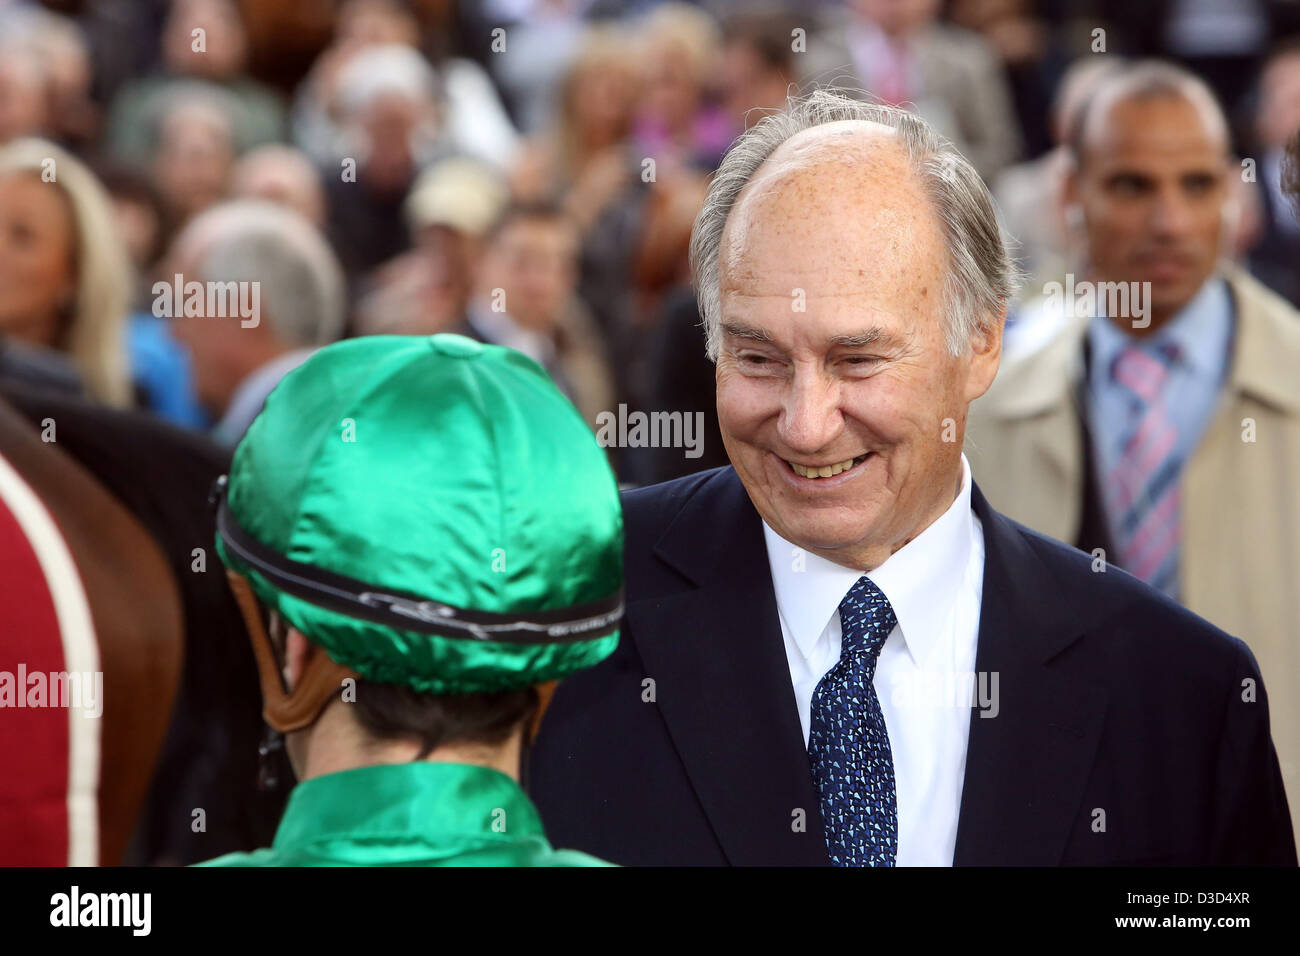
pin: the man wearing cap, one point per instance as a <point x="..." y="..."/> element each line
<point x="426" y="289"/>
<point x="436" y="539"/>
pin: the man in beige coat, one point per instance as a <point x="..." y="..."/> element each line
<point x="1187" y="474"/>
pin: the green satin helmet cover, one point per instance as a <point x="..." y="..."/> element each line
<point x="444" y="468"/>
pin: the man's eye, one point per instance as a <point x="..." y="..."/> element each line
<point x="1128" y="186"/>
<point x="862" y="361"/>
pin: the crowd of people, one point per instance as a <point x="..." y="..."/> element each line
<point x="524" y="172"/>
<point x="196" y="196"/>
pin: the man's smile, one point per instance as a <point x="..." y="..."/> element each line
<point x="829" y="474"/>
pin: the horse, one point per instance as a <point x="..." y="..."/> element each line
<point x="204" y="777"/>
<point x="87" y="596"/>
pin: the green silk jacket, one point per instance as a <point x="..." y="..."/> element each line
<point x="410" y="814"/>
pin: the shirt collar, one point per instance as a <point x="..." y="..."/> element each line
<point x="1202" y="330"/>
<point x="502" y="329"/>
<point x="424" y="801"/>
<point x="920" y="579"/>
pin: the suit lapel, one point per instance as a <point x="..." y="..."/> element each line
<point x="722" y="681"/>
<point x="1025" y="767"/>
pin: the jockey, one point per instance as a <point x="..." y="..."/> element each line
<point x="436" y="539"/>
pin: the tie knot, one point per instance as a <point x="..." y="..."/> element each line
<point x="1144" y="371"/>
<point x="866" y="618"/>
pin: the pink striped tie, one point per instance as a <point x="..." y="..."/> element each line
<point x="1142" y="491"/>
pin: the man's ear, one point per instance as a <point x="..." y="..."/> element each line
<point x="1071" y="202"/>
<point x="985" y="354"/>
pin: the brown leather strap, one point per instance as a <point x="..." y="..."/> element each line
<point x="545" y="691"/>
<point x="320" y="679"/>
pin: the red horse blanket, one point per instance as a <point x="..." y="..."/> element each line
<point x="50" y="691"/>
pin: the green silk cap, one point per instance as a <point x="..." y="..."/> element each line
<point x="432" y="512"/>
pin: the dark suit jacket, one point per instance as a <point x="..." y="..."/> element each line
<point x="1112" y="699"/>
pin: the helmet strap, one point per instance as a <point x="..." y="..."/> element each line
<point x="321" y="677"/>
<point x="545" y="691"/>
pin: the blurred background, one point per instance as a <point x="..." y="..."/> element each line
<point x="428" y="154"/>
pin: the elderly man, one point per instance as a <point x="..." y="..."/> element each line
<point x="835" y="649"/>
<point x="1160" y="430"/>
<point x="252" y="290"/>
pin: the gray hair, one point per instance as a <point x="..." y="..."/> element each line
<point x="301" y="283"/>
<point x="980" y="276"/>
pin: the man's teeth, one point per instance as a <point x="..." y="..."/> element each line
<point x="824" y="471"/>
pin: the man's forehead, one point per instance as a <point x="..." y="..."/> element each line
<point x="836" y="201"/>
<point x="840" y="155"/>
<point x="829" y="166"/>
<point x="1175" y="125"/>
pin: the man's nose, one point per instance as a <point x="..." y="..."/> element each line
<point x="810" y="419"/>
<point x="1171" y="215"/>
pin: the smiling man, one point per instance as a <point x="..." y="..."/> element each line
<point x="835" y="650"/>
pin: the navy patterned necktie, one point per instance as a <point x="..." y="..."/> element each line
<point x="848" y="745"/>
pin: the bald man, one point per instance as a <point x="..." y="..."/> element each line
<point x="1160" y="429"/>
<point x="835" y="651"/>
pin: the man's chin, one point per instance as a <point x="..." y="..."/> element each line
<point x="824" y="533"/>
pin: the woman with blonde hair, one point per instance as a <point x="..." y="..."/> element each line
<point x="65" y="276"/>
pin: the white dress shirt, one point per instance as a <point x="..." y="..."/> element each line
<point x="925" y="677"/>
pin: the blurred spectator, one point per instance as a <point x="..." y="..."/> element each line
<point x="584" y="162"/>
<point x="290" y="275"/>
<point x="24" y="109"/>
<point x="369" y="22"/>
<point x="426" y="290"/>
<point x="467" y="113"/>
<point x="394" y="115"/>
<point x="195" y="152"/>
<point x="1275" y="257"/>
<point x="1291" y="171"/>
<point x="675" y="122"/>
<point x="1031" y="201"/>
<point x="1030" y="57"/>
<point x="203" y="43"/>
<point x="583" y="154"/>
<point x="526" y="299"/>
<point x="757" y="70"/>
<point x="316" y="117"/>
<point x="43" y="44"/>
<point x="64" y="274"/>
<point x="541" y="38"/>
<point x="1162" y="431"/>
<point x="389" y="130"/>
<point x="138" y="211"/>
<point x="282" y="175"/>
<point x="898" y="52"/>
